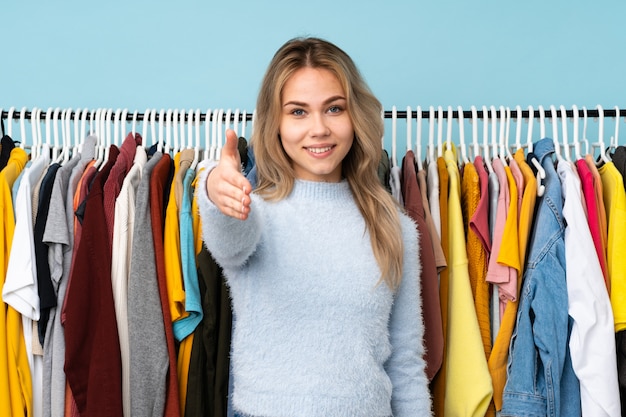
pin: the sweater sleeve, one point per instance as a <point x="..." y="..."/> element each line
<point x="230" y="241"/>
<point x="406" y="365"/>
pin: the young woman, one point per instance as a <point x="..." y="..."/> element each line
<point x="322" y="264"/>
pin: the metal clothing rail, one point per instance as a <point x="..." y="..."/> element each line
<point x="388" y="114"/>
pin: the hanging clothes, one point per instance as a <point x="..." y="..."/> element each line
<point x="541" y="380"/>
<point x="592" y="343"/>
<point x="92" y="354"/>
<point x="148" y="373"/>
<point x="15" y="378"/>
<point x="468" y="383"/>
<point x="122" y="234"/>
<point x="431" y="307"/>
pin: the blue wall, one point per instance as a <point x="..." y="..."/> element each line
<point x="203" y="54"/>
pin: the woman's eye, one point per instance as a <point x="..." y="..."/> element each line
<point x="297" y="112"/>
<point x="334" y="109"/>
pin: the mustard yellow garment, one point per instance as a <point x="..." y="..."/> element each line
<point x="468" y="383"/>
<point x="615" y="204"/>
<point x="16" y="390"/>
<point x="476" y="254"/>
<point x="171" y="247"/>
<point x="500" y="352"/>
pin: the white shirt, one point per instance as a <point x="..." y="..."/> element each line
<point x="592" y="340"/>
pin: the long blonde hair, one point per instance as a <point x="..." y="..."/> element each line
<point x="275" y="176"/>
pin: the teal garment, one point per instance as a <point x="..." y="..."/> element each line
<point x="193" y="303"/>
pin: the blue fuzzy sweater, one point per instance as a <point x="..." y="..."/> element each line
<point x="315" y="336"/>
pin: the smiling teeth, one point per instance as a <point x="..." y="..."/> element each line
<point x="320" y="150"/>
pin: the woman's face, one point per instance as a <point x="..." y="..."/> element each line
<point x="315" y="127"/>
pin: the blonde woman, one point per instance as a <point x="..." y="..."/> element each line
<point x="322" y="264"/>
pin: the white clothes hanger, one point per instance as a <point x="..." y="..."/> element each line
<point x="35" y="120"/>
<point x="431" y="134"/>
<point x="449" y="129"/>
<point x="83" y="130"/>
<point x="605" y="158"/>
<point x="541" y="173"/>
<point x="220" y="132"/>
<point x="475" y="144"/>
<point x="518" y="127"/>
<point x="153" y="131"/>
<point x="503" y="134"/>
<point x="116" y="127"/>
<point x="48" y="124"/>
<point x="214" y="145"/>
<point x="172" y="120"/>
<point x="529" y="134"/>
<point x="542" y="122"/>
<point x="133" y="127"/>
<point x="464" y="159"/>
<point x="555" y="133"/>
<point x="507" y="149"/>
<point x="23" y="127"/>
<point x="196" y="153"/>
<point x="180" y="119"/>
<point x="614" y="139"/>
<point x="207" y="136"/>
<point x="10" y="121"/>
<point x="236" y="122"/>
<point x="145" y="122"/>
<point x="162" y="143"/>
<point x="75" y="147"/>
<point x="108" y="136"/>
<point x="68" y="143"/>
<point x="63" y="145"/>
<point x="439" y="131"/>
<point x="409" y="134"/>
<point x="486" y="152"/>
<point x="244" y="120"/>
<point x="494" y="133"/>
<point x="168" y="134"/>
<point x="576" y="137"/>
<point x="394" y="123"/>
<point x="418" y="137"/>
<point x="584" y="137"/>
<point x="566" y="145"/>
<point x="56" y="149"/>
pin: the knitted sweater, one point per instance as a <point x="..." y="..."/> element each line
<point x="315" y="336"/>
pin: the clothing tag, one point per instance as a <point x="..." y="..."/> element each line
<point x="37" y="348"/>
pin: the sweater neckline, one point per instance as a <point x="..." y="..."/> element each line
<point x="322" y="191"/>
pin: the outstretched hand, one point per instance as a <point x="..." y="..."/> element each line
<point x="226" y="186"/>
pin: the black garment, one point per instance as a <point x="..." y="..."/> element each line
<point x="619" y="160"/>
<point x="242" y="146"/>
<point x="384" y="170"/>
<point x="207" y="382"/>
<point x="6" y="146"/>
<point x="45" y="287"/>
<point x="620" y="344"/>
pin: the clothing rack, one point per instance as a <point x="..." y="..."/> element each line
<point x="431" y="112"/>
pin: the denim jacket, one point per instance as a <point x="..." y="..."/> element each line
<point x="541" y="380"/>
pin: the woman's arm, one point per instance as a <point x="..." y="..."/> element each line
<point x="230" y="229"/>
<point x="406" y="366"/>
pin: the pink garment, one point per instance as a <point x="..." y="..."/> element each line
<point x="497" y="273"/>
<point x="479" y="222"/>
<point x="586" y="179"/>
